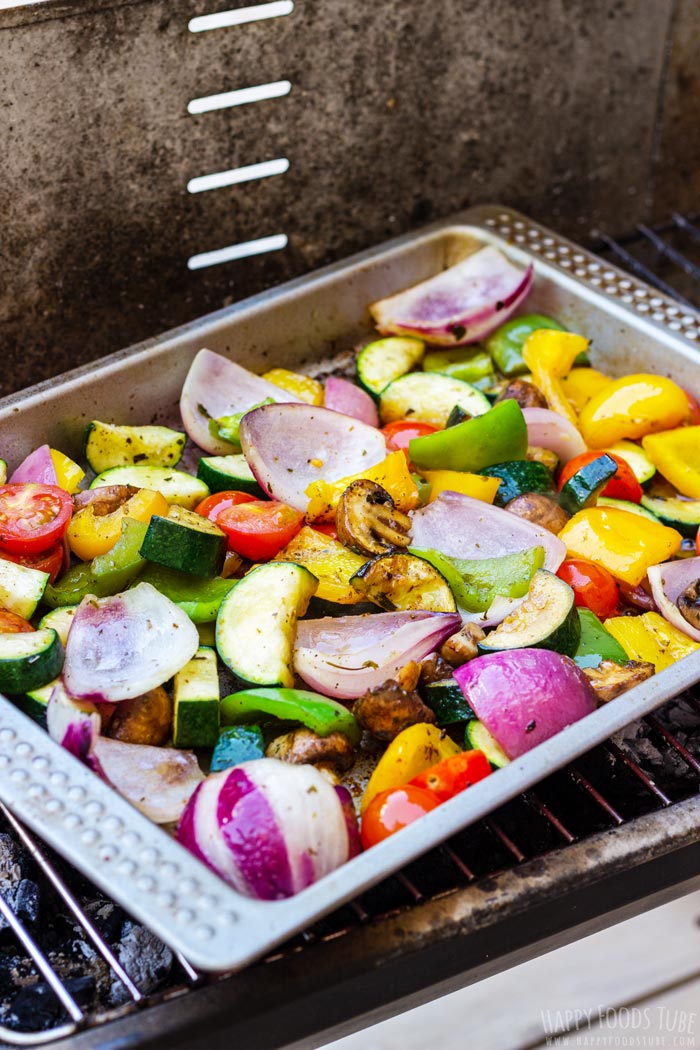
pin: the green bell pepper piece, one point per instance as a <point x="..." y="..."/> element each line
<point x="198" y="596"/>
<point x="498" y="435"/>
<point x="316" y="712"/>
<point x="506" y="343"/>
<point x="228" y="428"/>
<point x="596" y="643"/>
<point x="237" y="744"/>
<point x="476" y="583"/>
<point x="106" y="574"/>
<point x="470" y="365"/>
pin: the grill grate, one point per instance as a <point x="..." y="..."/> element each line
<point x="653" y="766"/>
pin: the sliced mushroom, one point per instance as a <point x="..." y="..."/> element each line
<point x="545" y="456"/>
<point x="367" y="520"/>
<point x="104" y="500"/>
<point x="387" y="710"/>
<point x="146" y="719"/>
<point x="689" y="604"/>
<point x="609" y="679"/>
<point x="303" y="746"/>
<point x="462" y="647"/>
<point x="434" y="669"/>
<point x="540" y="509"/>
<point x="526" y="394"/>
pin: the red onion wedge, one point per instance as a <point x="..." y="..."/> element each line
<point x="122" y="646"/>
<point x="460" y="305"/>
<point x="74" y="724"/>
<point x="343" y="656"/>
<point x="268" y="828"/>
<point x="38" y="467"/>
<point x="157" y="780"/>
<point x="217" y="387"/>
<point x="462" y="527"/>
<point x="525" y="696"/>
<point x="547" y="429"/>
<point x="343" y="396"/>
<point x="668" y="581"/>
<point x="289" y="446"/>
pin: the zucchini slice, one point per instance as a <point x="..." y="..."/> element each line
<point x="583" y="488"/>
<point x="196" y="701"/>
<point x="107" y="446"/>
<point x="429" y="397"/>
<point x="174" y="485"/>
<point x="404" y="581"/>
<point x="680" y="514"/>
<point x="448" y="703"/>
<point x="547" y="619"/>
<point x="518" y="477"/>
<point x="237" y="744"/>
<point x="385" y="360"/>
<point x="636" y="459"/>
<point x="28" y="661"/>
<point x="35" y="701"/>
<point x="478" y="738"/>
<point x="634" y="508"/>
<point x="21" y="588"/>
<point x="226" y="473"/>
<point x="60" y="620"/>
<point x="257" y="621"/>
<point x="185" y="541"/>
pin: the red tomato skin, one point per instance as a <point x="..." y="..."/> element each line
<point x="11" y="623"/>
<point x="50" y="561"/>
<point x="593" y="586"/>
<point x="32" y="517"/>
<point x="259" y="529"/>
<point x="398" y="434"/>
<point x="326" y="527"/>
<point x="694" y="410"/>
<point x="218" y="501"/>
<point x="391" y="810"/>
<point x="697" y="541"/>
<point x="454" y="774"/>
<point x="622" y="485"/>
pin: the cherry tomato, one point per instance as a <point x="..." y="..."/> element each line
<point x="11" y="623"/>
<point x="328" y="527"/>
<point x="697" y="541"/>
<point x="391" y="810"/>
<point x="212" y="506"/>
<point x="622" y="485"/>
<point x="32" y="517"/>
<point x="453" y="774"/>
<point x="259" y="529"/>
<point x="50" y="561"/>
<point x="694" y="410"/>
<point x="399" y="433"/>
<point x="593" y="586"/>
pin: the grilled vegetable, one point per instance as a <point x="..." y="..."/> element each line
<point x="223" y="473"/>
<point x="199" y="597"/>
<point x="95" y="530"/>
<point x="610" y="679"/>
<point x="394" y="809"/>
<point x="540" y="510"/>
<point x="454" y="774"/>
<point x="185" y="541"/>
<point x="477" y="736"/>
<point x="547" y="619"/>
<point x="547" y="429"/>
<point x="462" y="646"/>
<point x="316" y="712"/>
<point x="29" y="660"/>
<point x="21" y="589"/>
<point x="350" y="400"/>
<point x="495" y="436"/>
<point x="633" y="508"/>
<point x="412" y="752"/>
<point x="680" y="514"/>
<point x="475" y="583"/>
<point x="388" y="709"/>
<point x="429" y="397"/>
<point x="157" y="780"/>
<point x="526" y="394"/>
<point x="650" y="638"/>
<point x="596" y="645"/>
<point x="473" y="485"/>
<point x="333" y="752"/>
<point x="518" y="477"/>
<point x="385" y="360"/>
<point x="550" y="355"/>
<point x="367" y="520"/>
<point x="623" y="544"/>
<point x="174" y="485"/>
<point x="506" y="344"/>
<point x="636" y="459"/>
<point x="446" y="700"/>
<point x="632" y="407"/>
<point x="107" y="445"/>
<point x="393" y="474"/>
<point x="674" y="586"/>
<point x="237" y="744"/>
<point x="331" y="563"/>
<point x="470" y="364"/>
<point x="146" y="719"/>
<point x="404" y="581"/>
<point x="582" y="488"/>
<point x="196" y="699"/>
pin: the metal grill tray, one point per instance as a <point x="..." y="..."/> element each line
<point x="632" y="328"/>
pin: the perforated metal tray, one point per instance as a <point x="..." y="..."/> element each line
<point x="632" y="327"/>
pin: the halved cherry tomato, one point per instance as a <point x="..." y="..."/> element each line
<point x="259" y="529"/>
<point x="328" y="527"/>
<point x="50" y="561"/>
<point x="694" y="409"/>
<point x="391" y="810"/>
<point x="11" y="623"/>
<point x="453" y="774"/>
<point x="32" y="517"/>
<point x="218" y="501"/>
<point x="622" y="485"/>
<point x="697" y="541"/>
<point x="593" y="586"/>
<point x="398" y="434"/>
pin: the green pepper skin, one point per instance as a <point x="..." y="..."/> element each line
<point x="198" y="596"/>
<point x="107" y="574"/>
<point x="596" y="643"/>
<point x="237" y="744"/>
<point x="316" y="712"/>
<point x="476" y="583"/>
<point x="506" y="343"/>
<point x="470" y="365"/>
<point x="497" y="436"/>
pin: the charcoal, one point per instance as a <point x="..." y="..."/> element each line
<point x="36" y="1007"/>
<point x="146" y="959"/>
<point x="108" y="918"/>
<point x="17" y="887"/>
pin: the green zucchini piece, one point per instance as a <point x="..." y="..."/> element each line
<point x="186" y="541"/>
<point x="21" y="588"/>
<point x="681" y="514"/>
<point x="174" y="485"/>
<point x="518" y="477"/>
<point x="199" y="597"/>
<point x="505" y="345"/>
<point x="35" y="702"/>
<point x="478" y="738"/>
<point x="429" y="397"/>
<point x="475" y="583"/>
<point x="206" y="631"/>
<point x="447" y="701"/>
<point x="497" y="436"/>
<point x="547" y="619"/>
<point x="385" y="360"/>
<point x="228" y="473"/>
<point x="196" y="701"/>
<point x="404" y="581"/>
<point x="596" y="643"/>
<point x="3" y="471"/>
<point x="456" y="416"/>
<point x="585" y="486"/>
<point x="256" y="622"/>
<point x="316" y="712"/>
<point x="631" y="508"/>
<point x="228" y="428"/>
<point x="28" y="661"/>
<point x="636" y="459"/>
<point x="59" y="620"/>
<point x="237" y="744"/>
<point x="470" y="364"/>
<point x="107" y="446"/>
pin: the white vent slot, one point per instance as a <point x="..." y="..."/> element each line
<point x="238" y="251"/>
<point x="239" y="98"/>
<point x="240" y="16"/>
<point x="218" y="179"/>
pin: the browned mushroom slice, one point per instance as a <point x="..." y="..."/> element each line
<point x="540" y="509"/>
<point x="609" y="679"/>
<point x="146" y="719"/>
<point x="303" y="746"/>
<point x="403" y="581"/>
<point x="367" y="520"/>
<point x="434" y="669"/>
<point x="104" y="500"/>
<point x="689" y="604"/>
<point x="526" y="394"/>
<point x="388" y="709"/>
<point x="462" y="647"/>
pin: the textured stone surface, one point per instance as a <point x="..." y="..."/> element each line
<point x="399" y="113"/>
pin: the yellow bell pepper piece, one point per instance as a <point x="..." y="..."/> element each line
<point x="550" y="354"/>
<point x="68" y="473"/>
<point x="411" y="752"/>
<point x="625" y="544"/>
<point x="392" y="474"/>
<point x="676" y="455"/>
<point x="652" y="638"/>
<point x="90" y="534"/>
<point x="582" y="384"/>
<point x="331" y="562"/>
<point x="303" y="387"/>
<point x="631" y="407"/>
<point x="473" y="485"/>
